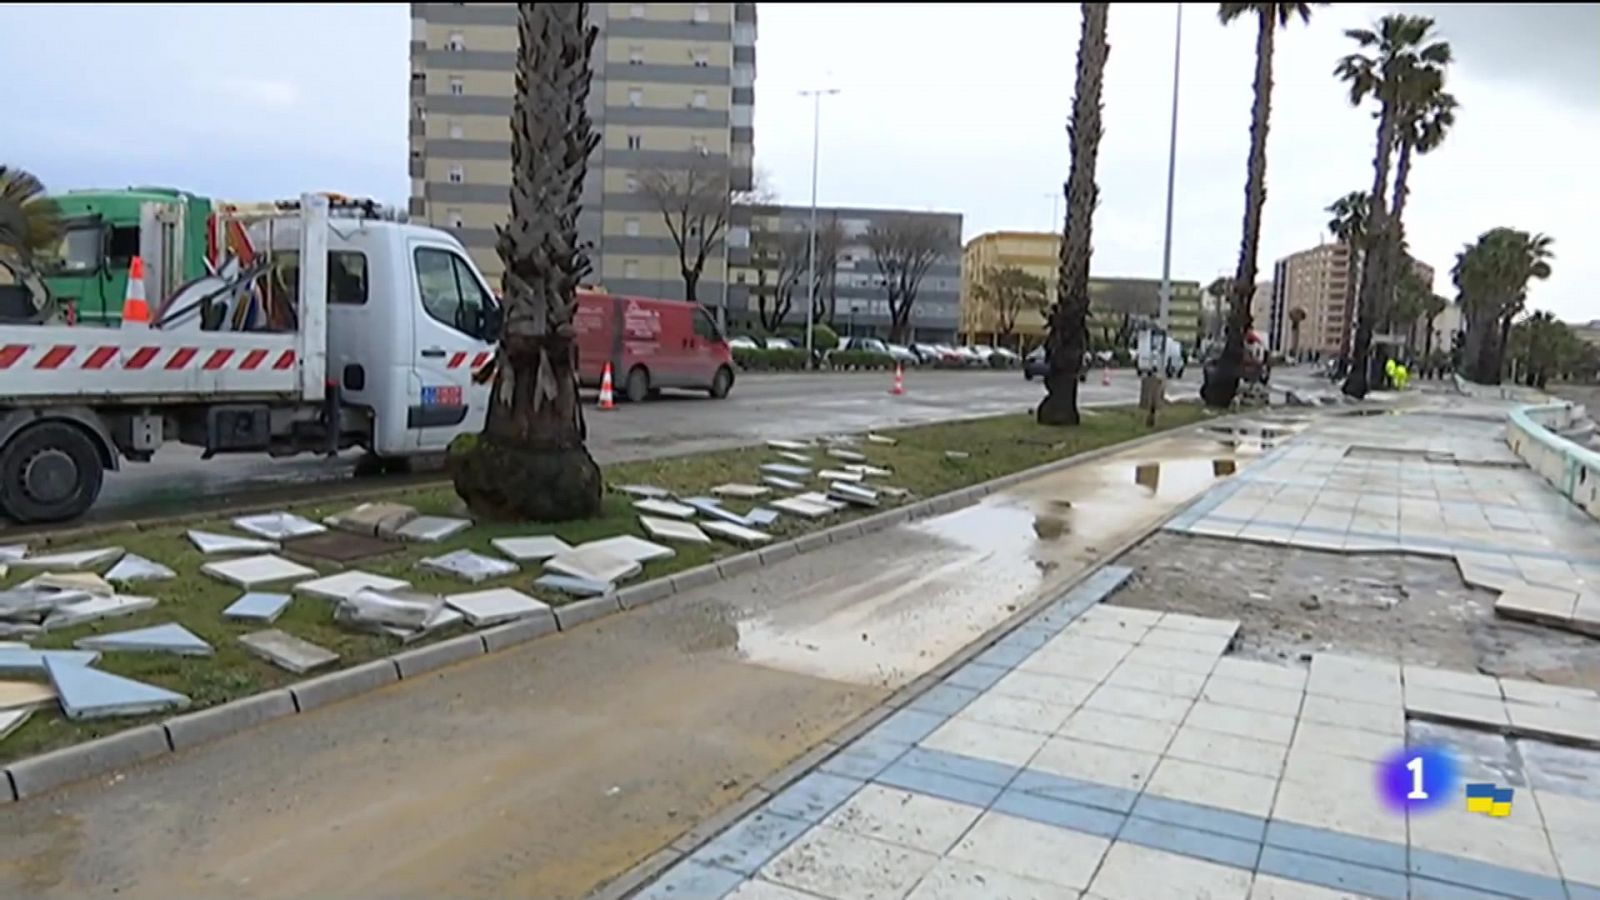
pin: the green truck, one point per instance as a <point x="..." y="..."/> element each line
<point x="105" y="229"/>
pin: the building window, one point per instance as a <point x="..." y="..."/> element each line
<point x="635" y="96"/>
<point x="630" y="268"/>
<point x="636" y="11"/>
<point x="630" y="227"/>
<point x="701" y="56"/>
<point x="698" y="142"/>
<point x="457" y="174"/>
<point x="455" y="131"/>
<point x="635" y="142"/>
<point x="452" y="217"/>
<point x="631" y="183"/>
<point x="699" y="101"/>
<point x="456" y="43"/>
<point x="702" y="12"/>
<point x="457" y="86"/>
<point x="635" y="56"/>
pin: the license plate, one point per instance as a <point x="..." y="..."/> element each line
<point x="442" y="395"/>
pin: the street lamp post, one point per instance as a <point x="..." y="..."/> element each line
<point x="1165" y="310"/>
<point x="811" y="262"/>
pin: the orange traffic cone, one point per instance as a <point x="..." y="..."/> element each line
<point x="899" y="381"/>
<point x="606" y="401"/>
<point x="1105" y="376"/>
<point x="135" y="311"/>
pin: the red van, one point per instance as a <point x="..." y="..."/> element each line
<point x="651" y="344"/>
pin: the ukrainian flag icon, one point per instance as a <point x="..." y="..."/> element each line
<point x="1489" y="800"/>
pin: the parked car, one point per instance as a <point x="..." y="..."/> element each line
<point x="927" y="354"/>
<point x="863" y="345"/>
<point x="1004" y="358"/>
<point x="743" y="342"/>
<point x="1034" y="365"/>
<point x="903" y="355"/>
<point x="780" y="343"/>
<point x="982" y="351"/>
<point x="970" y="357"/>
<point x="666" y="343"/>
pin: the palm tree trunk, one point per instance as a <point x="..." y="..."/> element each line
<point x="530" y="462"/>
<point x="1069" y="335"/>
<point x="1374" y="271"/>
<point x="1222" y="384"/>
<point x="1402" y="170"/>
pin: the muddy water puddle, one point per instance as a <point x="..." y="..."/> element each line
<point x="903" y="600"/>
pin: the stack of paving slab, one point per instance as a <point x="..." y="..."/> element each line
<point x="66" y="590"/>
<point x="668" y="518"/>
<point x="33" y="679"/>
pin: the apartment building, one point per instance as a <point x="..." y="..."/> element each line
<point x="1321" y="282"/>
<point x="1038" y="253"/>
<point x="673" y="92"/>
<point x="857" y="302"/>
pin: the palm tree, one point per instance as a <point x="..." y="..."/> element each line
<point x="1296" y="316"/>
<point x="1222" y="383"/>
<point x="530" y="462"/>
<point x="1492" y="275"/>
<point x="1400" y="59"/>
<point x="1427" y="113"/>
<point x="1069" y="330"/>
<point x="1349" y="227"/>
<point x="30" y="222"/>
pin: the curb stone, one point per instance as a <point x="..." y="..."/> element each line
<point x="699" y="576"/>
<point x="634" y="878"/>
<point x="203" y="726"/>
<point x="41" y="773"/>
<point x="809" y="542"/>
<point x="336" y="686"/>
<point x="103" y="755"/>
<point x="571" y="615"/>
<point x="423" y="660"/>
<point x="648" y="592"/>
<point x="720" y="820"/>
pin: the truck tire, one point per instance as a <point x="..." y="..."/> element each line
<point x="49" y="472"/>
<point x="637" y="386"/>
<point x="721" y="383"/>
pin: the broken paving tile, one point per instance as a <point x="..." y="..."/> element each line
<point x="761" y="517"/>
<point x="881" y="439"/>
<point x="846" y="455"/>
<point x="957" y="454"/>
<point x="133" y="567"/>
<point x="87" y="693"/>
<point x="738" y="534"/>
<point x="784" y="470"/>
<point x="13" y="552"/>
<point x="850" y="493"/>
<point x="670" y="530"/>
<point x="628" y="546"/>
<point x="74" y="561"/>
<point x="664" y="508"/>
<point x="28" y="602"/>
<point x="820" y="499"/>
<point x="166" y="638"/>
<point x="496" y="605"/>
<point x="257" y="607"/>
<point x="866" y="470"/>
<point x="898" y="493"/>
<point x="287" y="651"/>
<point x="11" y="720"/>
<point x="741" y="491"/>
<point x="787" y="445"/>
<point x="16" y="695"/>
<point x="796" y="458"/>
<point x="577" y="587"/>
<point x="345" y="584"/>
<point x="372" y="518"/>
<point x="429" y="529"/>
<point x="532" y="548"/>
<point x="710" y="508"/>
<point x="594" y="565"/>
<point x="278" y="526"/>
<point x="838" y="475"/>
<point x="803" y="508"/>
<point x="209" y="542"/>
<point x="96" y="608"/>
<point x="78" y="582"/>
<point x="643" y="491"/>
<point x="28" y="661"/>
<point x="472" y="566"/>
<point x="439" y="621"/>
<point x="783" y="483"/>
<point x="252" y="571"/>
<point x="404" y="609"/>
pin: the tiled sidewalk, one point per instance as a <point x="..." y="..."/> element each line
<point x="1117" y="753"/>
<point x="1420" y="483"/>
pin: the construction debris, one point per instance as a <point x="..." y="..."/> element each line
<point x="168" y="638"/>
<point x="472" y="566"/>
<point x="209" y="542"/>
<point x="86" y="693"/>
<point x="133" y="567"/>
<point x="278" y="526"/>
<point x="287" y="651"/>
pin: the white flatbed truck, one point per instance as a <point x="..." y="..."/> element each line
<point x="388" y="323"/>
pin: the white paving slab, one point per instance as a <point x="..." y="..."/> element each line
<point x="372" y="518"/>
<point x="806" y="509"/>
<point x="666" y="508"/>
<point x="440" y="620"/>
<point x="28" y="661"/>
<point x="278" y="526"/>
<point x="738" y="534"/>
<point x="12" y="719"/>
<point x="16" y="695"/>
<point x="209" y="542"/>
<point x="799" y="459"/>
<point x="73" y="582"/>
<point x="821" y="499"/>
<point x="288" y="652"/>
<point x="431" y="529"/>
<point x="71" y="561"/>
<point x="254" y="571"/>
<point x="86" y="693"/>
<point x="257" y="607"/>
<point x="787" y="484"/>
<point x="399" y="608"/>
<point x="839" y="475"/>
<point x="670" y="530"/>
<point x="96" y="608"/>
<point x="594" y="565"/>
<point x="133" y="567"/>
<point x="869" y="471"/>
<point x="531" y="548"/>
<point x="846" y="455"/>
<point x="345" y="584"/>
<point x="10" y="553"/>
<point x="472" y="566"/>
<point x="785" y="470"/>
<point x="787" y="445"/>
<point x="644" y="491"/>
<point x="881" y="439"/>
<point x="496" y="605"/>
<point x="577" y="587"/>
<point x="741" y="491"/>
<point x="166" y="638"/>
<point x="628" y="546"/>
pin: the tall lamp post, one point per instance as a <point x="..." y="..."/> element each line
<point x="1164" y="313"/>
<point x="811" y="263"/>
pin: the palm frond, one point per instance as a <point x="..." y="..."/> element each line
<point x="30" y="222"/>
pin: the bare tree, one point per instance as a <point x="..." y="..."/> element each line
<point x="1006" y="291"/>
<point x="904" y="249"/>
<point x="779" y="259"/>
<point x="830" y="240"/>
<point x="695" y="203"/>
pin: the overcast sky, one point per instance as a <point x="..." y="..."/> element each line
<point x="948" y="107"/>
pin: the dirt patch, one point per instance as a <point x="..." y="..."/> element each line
<point x="1294" y="602"/>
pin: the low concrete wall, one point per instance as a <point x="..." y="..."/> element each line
<point x="1572" y="469"/>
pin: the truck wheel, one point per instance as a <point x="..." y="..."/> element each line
<point x="722" y="383"/>
<point x="50" y="472"/>
<point x="638" y="386"/>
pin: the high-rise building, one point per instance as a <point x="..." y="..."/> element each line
<point x="673" y="99"/>
<point x="1322" y="282"/>
<point x="1110" y="299"/>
